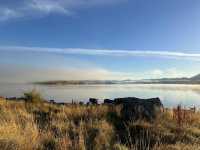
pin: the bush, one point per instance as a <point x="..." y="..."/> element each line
<point x="33" y="96"/>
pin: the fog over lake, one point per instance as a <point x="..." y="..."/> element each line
<point x="170" y="95"/>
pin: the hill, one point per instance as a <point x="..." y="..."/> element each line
<point x="196" y="77"/>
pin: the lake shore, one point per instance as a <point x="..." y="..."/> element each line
<point x="171" y="95"/>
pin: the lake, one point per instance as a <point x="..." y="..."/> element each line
<point x="171" y="95"/>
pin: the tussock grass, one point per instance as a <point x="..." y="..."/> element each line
<point x="35" y="124"/>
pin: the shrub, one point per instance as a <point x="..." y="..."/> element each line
<point x="33" y="96"/>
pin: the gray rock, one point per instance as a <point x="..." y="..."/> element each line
<point x="93" y="101"/>
<point x="108" y="101"/>
<point x="134" y="108"/>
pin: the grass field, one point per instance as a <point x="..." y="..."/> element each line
<point x="34" y="124"/>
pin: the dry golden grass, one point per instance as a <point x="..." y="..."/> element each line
<point x="30" y="125"/>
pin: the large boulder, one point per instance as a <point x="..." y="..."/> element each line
<point x="93" y="101"/>
<point x="134" y="108"/>
<point x="108" y="101"/>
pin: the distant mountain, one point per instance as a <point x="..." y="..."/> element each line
<point x="197" y="77"/>
<point x="193" y="80"/>
<point x="79" y="82"/>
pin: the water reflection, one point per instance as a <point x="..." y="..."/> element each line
<point x="171" y="95"/>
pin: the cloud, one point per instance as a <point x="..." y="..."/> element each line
<point x="157" y="73"/>
<point x="24" y="8"/>
<point x="6" y="13"/>
<point x="17" y="73"/>
<point x="107" y="52"/>
<point x="21" y="74"/>
<point x="58" y="68"/>
<point x="46" y="6"/>
<point x="169" y="73"/>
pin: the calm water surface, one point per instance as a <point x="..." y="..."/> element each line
<point x="171" y="95"/>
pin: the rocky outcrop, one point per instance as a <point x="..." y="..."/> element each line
<point x="134" y="108"/>
<point x="93" y="101"/>
<point x="108" y="101"/>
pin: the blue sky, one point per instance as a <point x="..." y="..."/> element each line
<point x="98" y="39"/>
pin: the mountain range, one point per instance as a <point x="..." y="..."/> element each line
<point x="193" y="80"/>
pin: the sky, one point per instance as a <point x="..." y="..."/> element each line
<point x="98" y="39"/>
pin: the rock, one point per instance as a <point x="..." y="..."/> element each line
<point x="93" y="101"/>
<point x="108" y="101"/>
<point x="134" y="108"/>
<point x="81" y="103"/>
<point x="11" y="98"/>
<point x="52" y="101"/>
